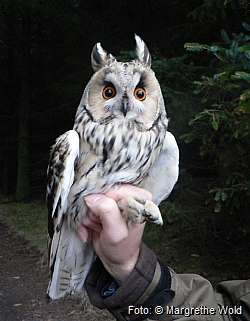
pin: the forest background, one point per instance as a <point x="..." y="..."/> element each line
<point x="201" y="57"/>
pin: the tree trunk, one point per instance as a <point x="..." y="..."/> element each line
<point x="23" y="184"/>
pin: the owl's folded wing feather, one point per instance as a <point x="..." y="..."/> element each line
<point x="164" y="172"/>
<point x="60" y="179"/>
<point x="60" y="174"/>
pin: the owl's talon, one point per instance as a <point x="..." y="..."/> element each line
<point x="136" y="209"/>
<point x="153" y="220"/>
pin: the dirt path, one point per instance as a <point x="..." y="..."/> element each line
<point x="23" y="283"/>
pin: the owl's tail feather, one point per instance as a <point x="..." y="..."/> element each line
<point x="70" y="263"/>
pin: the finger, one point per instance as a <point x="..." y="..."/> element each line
<point x="107" y="211"/>
<point x="88" y="223"/>
<point x="93" y="217"/>
<point x="93" y="225"/>
<point x="118" y="192"/>
<point x="82" y="232"/>
<point x="102" y="206"/>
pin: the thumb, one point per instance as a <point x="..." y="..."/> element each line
<point x="106" y="209"/>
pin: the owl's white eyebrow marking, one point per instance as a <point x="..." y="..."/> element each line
<point x="110" y="77"/>
<point x="136" y="79"/>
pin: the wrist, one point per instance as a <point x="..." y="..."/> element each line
<point x="121" y="272"/>
<point x="131" y="290"/>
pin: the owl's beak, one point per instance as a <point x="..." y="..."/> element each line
<point x="125" y="107"/>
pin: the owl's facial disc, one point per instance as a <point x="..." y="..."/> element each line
<point x="124" y="92"/>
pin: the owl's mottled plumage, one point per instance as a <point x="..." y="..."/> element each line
<point x="119" y="136"/>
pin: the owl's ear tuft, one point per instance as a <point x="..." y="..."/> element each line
<point x="142" y="52"/>
<point x="100" y="58"/>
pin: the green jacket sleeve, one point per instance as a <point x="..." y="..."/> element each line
<point x="155" y="292"/>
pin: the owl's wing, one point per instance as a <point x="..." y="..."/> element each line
<point x="164" y="172"/>
<point x="60" y="175"/>
<point x="60" y="179"/>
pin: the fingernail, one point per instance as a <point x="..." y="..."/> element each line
<point x="82" y="235"/>
<point x="92" y="198"/>
<point x="117" y="186"/>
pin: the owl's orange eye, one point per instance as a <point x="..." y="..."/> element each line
<point x="108" y="92"/>
<point x="140" y="93"/>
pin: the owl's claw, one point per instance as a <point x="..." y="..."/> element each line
<point x="139" y="210"/>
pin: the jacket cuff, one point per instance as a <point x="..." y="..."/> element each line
<point x="135" y="290"/>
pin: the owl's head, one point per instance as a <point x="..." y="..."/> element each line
<point x="124" y="91"/>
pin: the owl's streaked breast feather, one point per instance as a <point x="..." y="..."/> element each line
<point x="124" y="151"/>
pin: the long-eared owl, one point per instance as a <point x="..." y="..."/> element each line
<point x="119" y="136"/>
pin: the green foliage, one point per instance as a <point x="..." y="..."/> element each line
<point x="176" y="76"/>
<point x="223" y="126"/>
<point x="216" y="9"/>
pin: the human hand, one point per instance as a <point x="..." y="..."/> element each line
<point x="116" y="245"/>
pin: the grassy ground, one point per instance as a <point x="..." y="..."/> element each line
<point x="28" y="219"/>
